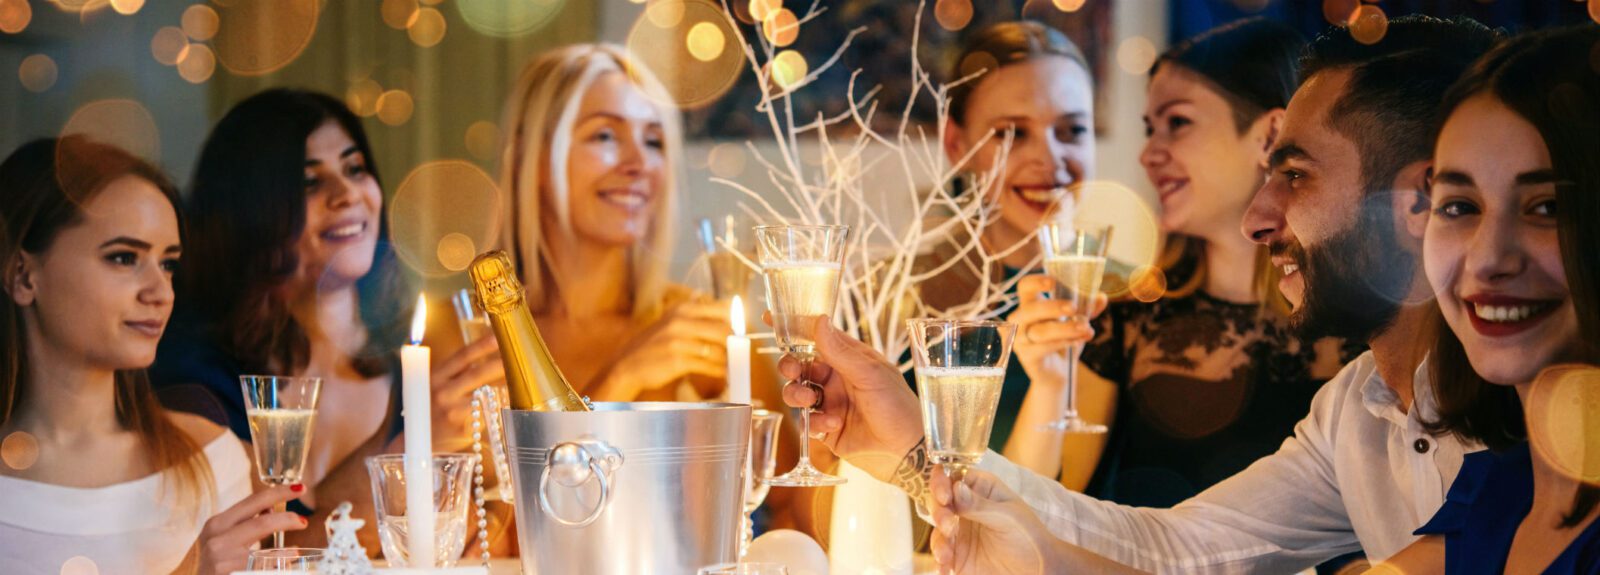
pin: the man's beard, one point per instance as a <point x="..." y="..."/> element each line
<point x="1355" y="281"/>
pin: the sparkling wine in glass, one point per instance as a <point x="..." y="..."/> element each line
<point x="474" y="323"/>
<point x="720" y="239"/>
<point x="282" y="410"/>
<point x="801" y="265"/>
<point x="960" y="367"/>
<point x="1075" y="257"/>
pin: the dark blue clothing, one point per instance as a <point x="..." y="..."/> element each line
<point x="192" y="373"/>
<point x="1485" y="506"/>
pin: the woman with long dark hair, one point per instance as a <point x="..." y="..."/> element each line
<point x="290" y="273"/>
<point x="1512" y="253"/>
<point x="95" y="467"/>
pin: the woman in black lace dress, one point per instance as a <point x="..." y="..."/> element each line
<point x="1208" y="377"/>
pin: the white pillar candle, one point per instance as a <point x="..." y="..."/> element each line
<point x="738" y="356"/>
<point x="415" y="398"/>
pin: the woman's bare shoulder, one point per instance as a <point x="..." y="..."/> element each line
<point x="203" y="431"/>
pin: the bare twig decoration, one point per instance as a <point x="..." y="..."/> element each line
<point x="882" y="270"/>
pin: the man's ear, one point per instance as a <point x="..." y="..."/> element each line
<point x="19" y="282"/>
<point x="1264" y="131"/>
<point x="1410" y="198"/>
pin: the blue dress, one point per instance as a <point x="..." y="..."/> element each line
<point x="1486" y="504"/>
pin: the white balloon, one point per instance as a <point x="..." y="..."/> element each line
<point x="793" y="549"/>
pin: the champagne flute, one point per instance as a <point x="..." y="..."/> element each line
<point x="762" y="460"/>
<point x="282" y="411"/>
<point x="1075" y="256"/>
<point x="960" y="367"/>
<point x="473" y="322"/>
<point x="801" y="264"/>
<point x="721" y="242"/>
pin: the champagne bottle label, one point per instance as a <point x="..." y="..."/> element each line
<point x="535" y="382"/>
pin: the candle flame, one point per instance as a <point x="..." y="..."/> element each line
<point x="736" y="316"/>
<point x="419" y="320"/>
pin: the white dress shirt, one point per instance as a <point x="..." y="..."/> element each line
<point x="1358" y="474"/>
<point x="130" y="527"/>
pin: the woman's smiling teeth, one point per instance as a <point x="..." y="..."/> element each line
<point x="1508" y="313"/>
<point x="345" y="232"/>
<point x="626" y="199"/>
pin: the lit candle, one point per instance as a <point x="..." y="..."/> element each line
<point x="738" y="356"/>
<point x="417" y="412"/>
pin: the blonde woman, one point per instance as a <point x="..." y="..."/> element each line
<point x="590" y="167"/>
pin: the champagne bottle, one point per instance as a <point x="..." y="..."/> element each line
<point x="535" y="381"/>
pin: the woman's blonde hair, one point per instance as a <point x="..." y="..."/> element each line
<point x="537" y="127"/>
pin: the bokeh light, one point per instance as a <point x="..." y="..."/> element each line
<point x="1068" y="5"/>
<point x="726" y="160"/>
<point x="197" y="64"/>
<point x="953" y="14"/>
<point x="1563" y="415"/>
<point x="781" y="28"/>
<point x="706" y="41"/>
<point x="1136" y="235"/>
<point x="395" y="107"/>
<point x="19" y="450"/>
<point x="397" y="14"/>
<point x="200" y="22"/>
<point x="1136" y="54"/>
<point x="38" y="73"/>
<point x="689" y="81"/>
<point x="1368" y="24"/>
<point x="789" y="68"/>
<point x="664" y="13"/>
<point x="977" y="62"/>
<point x="505" y="18"/>
<point x="168" y="44"/>
<point x="127" y="7"/>
<point x="80" y="565"/>
<point x="1147" y="283"/>
<point x="1594" y="10"/>
<point x="1338" y="12"/>
<point x="122" y="123"/>
<point x="362" y="97"/>
<point x="427" y="27"/>
<point x="15" y="16"/>
<point x="80" y="6"/>
<point x="762" y="9"/>
<point x="256" y="37"/>
<point x="437" y="201"/>
<point x="483" y="138"/>
<point x="456" y="251"/>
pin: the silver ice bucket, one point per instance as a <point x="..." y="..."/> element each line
<point x="628" y="488"/>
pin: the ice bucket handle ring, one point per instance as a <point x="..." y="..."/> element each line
<point x="573" y="464"/>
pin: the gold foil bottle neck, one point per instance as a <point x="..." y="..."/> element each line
<point x="498" y="289"/>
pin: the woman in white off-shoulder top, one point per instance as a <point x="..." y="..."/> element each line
<point x="95" y="477"/>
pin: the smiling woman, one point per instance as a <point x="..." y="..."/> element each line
<point x="290" y="273"/>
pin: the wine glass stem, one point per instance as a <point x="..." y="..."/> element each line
<point x="277" y="536"/>
<point x="1073" y="351"/>
<point x="805" y="413"/>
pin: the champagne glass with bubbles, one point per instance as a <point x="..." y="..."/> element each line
<point x="1075" y="257"/>
<point x="282" y="411"/>
<point x="960" y="366"/>
<point x="801" y="265"/>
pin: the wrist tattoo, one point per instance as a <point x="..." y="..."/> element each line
<point x="912" y="477"/>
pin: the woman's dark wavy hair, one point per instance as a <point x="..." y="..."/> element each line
<point x="1547" y="79"/>
<point x="247" y="210"/>
<point x="1253" y="63"/>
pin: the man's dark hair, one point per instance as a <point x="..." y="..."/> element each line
<point x="1390" y="108"/>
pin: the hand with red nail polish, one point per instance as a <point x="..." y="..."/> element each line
<point x="225" y="541"/>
